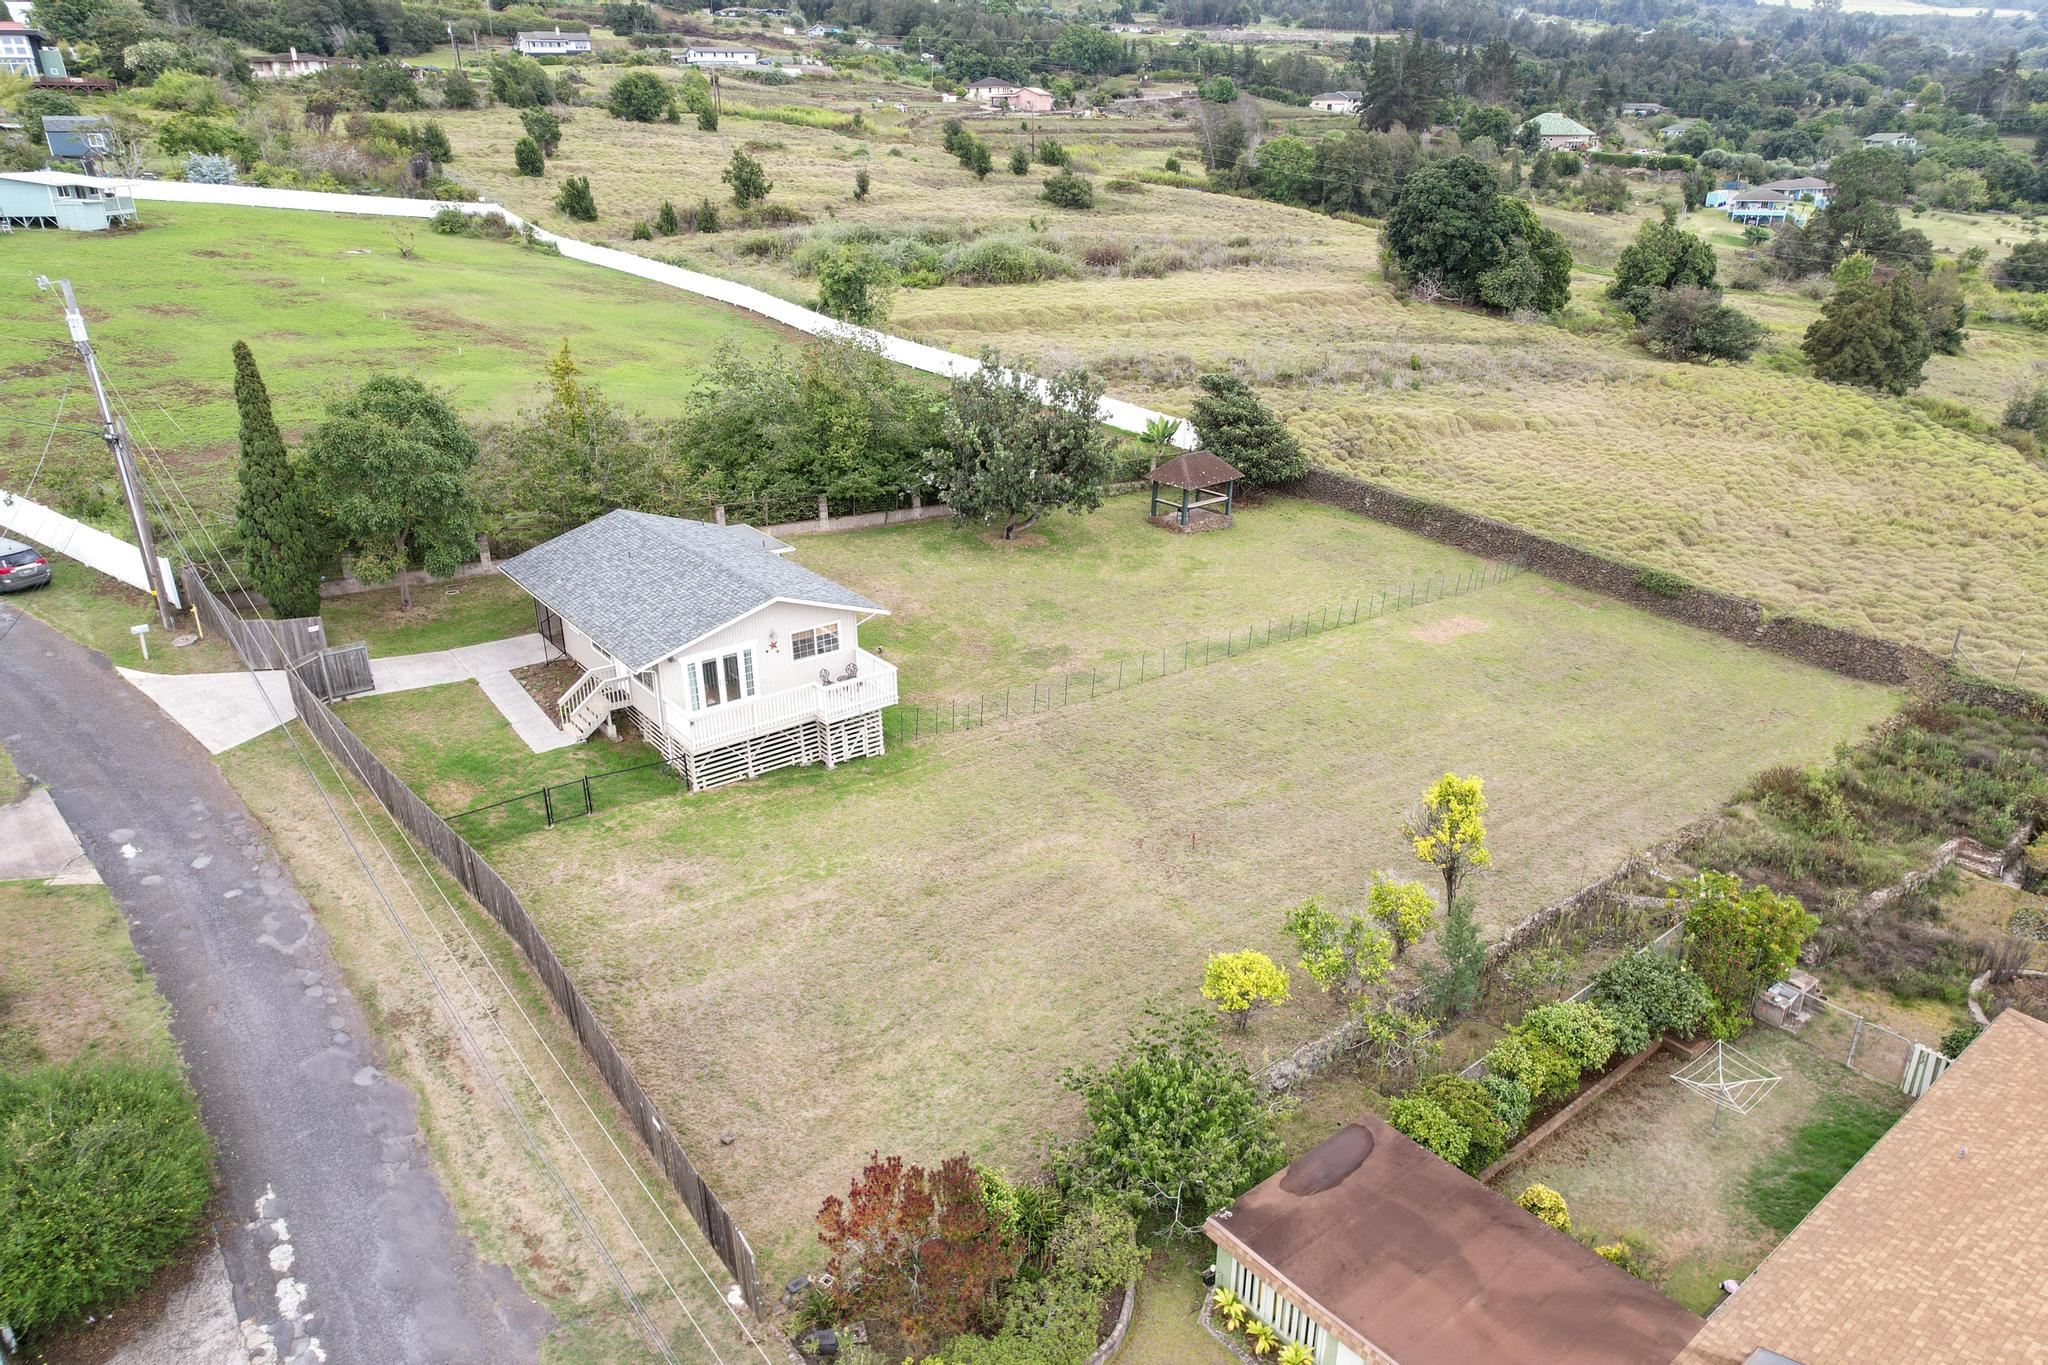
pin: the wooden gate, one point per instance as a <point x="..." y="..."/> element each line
<point x="342" y="671"/>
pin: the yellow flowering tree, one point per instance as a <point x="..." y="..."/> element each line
<point x="1242" y="982"/>
<point x="1449" y="829"/>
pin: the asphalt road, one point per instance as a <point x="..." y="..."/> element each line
<point x="341" y="1244"/>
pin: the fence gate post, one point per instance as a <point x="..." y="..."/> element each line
<point x="547" y="805"/>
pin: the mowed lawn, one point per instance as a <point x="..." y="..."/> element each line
<point x="324" y="302"/>
<point x="904" y="953"/>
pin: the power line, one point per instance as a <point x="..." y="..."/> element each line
<point x="227" y="566"/>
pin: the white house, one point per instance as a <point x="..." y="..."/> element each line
<point x="1338" y="102"/>
<point x="293" y="64"/>
<point x="1762" y="207"/>
<point x="58" y="199"/>
<point x="1893" y="142"/>
<point x="731" y="659"/>
<point x="553" y="44"/>
<point x="993" y="90"/>
<point x="721" y="56"/>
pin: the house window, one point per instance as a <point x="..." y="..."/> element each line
<point x="718" y="679"/>
<point x="808" y="644"/>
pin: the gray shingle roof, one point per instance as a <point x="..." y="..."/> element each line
<point x="643" y="586"/>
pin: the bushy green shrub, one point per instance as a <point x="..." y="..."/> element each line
<point x="1578" y="1029"/>
<point x="105" y="1173"/>
<point x="1548" y="1206"/>
<point x="1663" y="584"/>
<point x="1545" y="1072"/>
<point x="1068" y="191"/>
<point x="1646" y="995"/>
<point x="1428" y="1124"/>
<point x="1471" y="1106"/>
<point x="1510" y="1100"/>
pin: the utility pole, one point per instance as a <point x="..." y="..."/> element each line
<point x="115" y="433"/>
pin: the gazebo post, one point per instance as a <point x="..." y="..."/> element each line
<point x="1183" y="509"/>
<point x="1229" y="498"/>
<point x="1155" y="499"/>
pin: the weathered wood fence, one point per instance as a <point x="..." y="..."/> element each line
<point x="262" y="644"/>
<point x="490" y="890"/>
<point x="338" y="672"/>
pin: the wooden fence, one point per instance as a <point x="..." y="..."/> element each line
<point x="482" y="882"/>
<point x="338" y="673"/>
<point x="262" y="644"/>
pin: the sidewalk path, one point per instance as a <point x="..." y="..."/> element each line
<point x="343" y="1247"/>
<point x="223" y="710"/>
<point x="36" y="844"/>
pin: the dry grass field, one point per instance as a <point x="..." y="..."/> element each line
<point x="905" y="952"/>
<point x="1757" y="479"/>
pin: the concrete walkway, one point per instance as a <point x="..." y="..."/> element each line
<point x="37" y="845"/>
<point x="223" y="710"/>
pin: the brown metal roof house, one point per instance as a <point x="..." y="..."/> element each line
<point x="1370" y="1250"/>
<point x="1933" y="1248"/>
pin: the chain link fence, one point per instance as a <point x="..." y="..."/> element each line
<point x="559" y="802"/>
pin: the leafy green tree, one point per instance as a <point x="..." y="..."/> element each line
<point x="853" y="286"/>
<point x="750" y="184"/>
<point x="1176" y="1127"/>
<point x="1450" y="986"/>
<point x="1739" y="942"/>
<point x="1242" y="982"/>
<point x="1285" y="169"/>
<point x="570" y="461"/>
<point x="835" y="417"/>
<point x="105" y="1175"/>
<point x="1014" y="450"/>
<point x="1448" y="830"/>
<point x="1694" y="324"/>
<point x="520" y="82"/>
<point x="1020" y="161"/>
<point x="1487" y="121"/>
<point x="1870" y="332"/>
<point x="1232" y="424"/>
<point x="665" y="220"/>
<point x="861" y="183"/>
<point x="707" y="215"/>
<point x="433" y="141"/>
<point x="1451" y="229"/>
<point x="544" y="127"/>
<point x="707" y="119"/>
<point x="1396" y="1039"/>
<point x="2025" y="268"/>
<point x="280" y="536"/>
<point x="1403" y="909"/>
<point x="976" y="157"/>
<point x="1944" y="310"/>
<point x="642" y="97"/>
<point x="1064" y="189"/>
<point x="458" y="92"/>
<point x="526" y="158"/>
<point x="1663" y="256"/>
<point x="1344" y="955"/>
<point x="1218" y="90"/>
<point x="1050" y="152"/>
<point x="389" y="470"/>
<point x="575" y="199"/>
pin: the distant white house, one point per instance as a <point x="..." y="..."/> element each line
<point x="1338" y="102"/>
<point x="721" y="56"/>
<point x="58" y="199"/>
<point x="1557" y="132"/>
<point x="1807" y="189"/>
<point x="993" y="90"/>
<point x="731" y="659"/>
<point x="555" y="43"/>
<point x="1761" y="207"/>
<point x="1893" y="142"/>
<point x="292" y="64"/>
<point x="1642" y="109"/>
<point x="823" y="31"/>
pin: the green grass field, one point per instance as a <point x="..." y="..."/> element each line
<point x="904" y="952"/>
<point x="324" y="302"/>
<point x="73" y="988"/>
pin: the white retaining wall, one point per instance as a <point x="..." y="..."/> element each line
<point x="1115" y="412"/>
<point x="74" y="539"/>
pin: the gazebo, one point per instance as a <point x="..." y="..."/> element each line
<point x="1205" y="482"/>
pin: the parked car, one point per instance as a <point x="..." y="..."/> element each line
<point x="21" y="567"/>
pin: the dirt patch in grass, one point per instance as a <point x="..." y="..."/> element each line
<point x="1447" y="630"/>
<point x="546" y="683"/>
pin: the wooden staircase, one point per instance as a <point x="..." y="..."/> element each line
<point x="592" y="700"/>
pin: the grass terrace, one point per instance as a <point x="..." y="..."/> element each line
<point x="905" y="952"/>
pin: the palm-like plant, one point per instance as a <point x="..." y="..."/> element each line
<point x="1263" y="1338"/>
<point x="1230" y="1308"/>
<point x="1160" y="431"/>
<point x="1294" y="1353"/>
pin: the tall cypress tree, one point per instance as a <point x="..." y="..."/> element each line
<point x="273" y="512"/>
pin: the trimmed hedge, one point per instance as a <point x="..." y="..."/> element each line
<point x="105" y="1174"/>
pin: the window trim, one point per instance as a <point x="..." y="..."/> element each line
<point x="809" y="635"/>
<point x="743" y="668"/>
